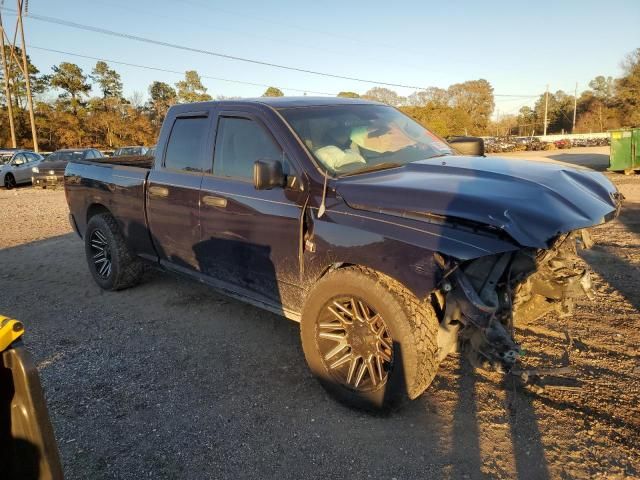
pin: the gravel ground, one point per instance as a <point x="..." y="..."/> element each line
<point x="32" y="214"/>
<point x="172" y="380"/>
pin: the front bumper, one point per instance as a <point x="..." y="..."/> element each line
<point x="45" y="181"/>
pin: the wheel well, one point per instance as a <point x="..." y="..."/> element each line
<point x="96" y="209"/>
<point x="341" y="265"/>
<point x="332" y="267"/>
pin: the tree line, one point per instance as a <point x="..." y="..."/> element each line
<point x="68" y="115"/>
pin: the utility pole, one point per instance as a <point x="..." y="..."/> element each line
<point x="7" y="92"/>
<point x="27" y="79"/>
<point x="546" y="106"/>
<point x="575" y="107"/>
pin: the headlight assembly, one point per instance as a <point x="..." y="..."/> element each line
<point x="52" y="172"/>
<point x="35" y="170"/>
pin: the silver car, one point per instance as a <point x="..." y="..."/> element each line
<point x="16" y="165"/>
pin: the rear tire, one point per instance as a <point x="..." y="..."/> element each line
<point x="409" y="327"/>
<point x="112" y="264"/>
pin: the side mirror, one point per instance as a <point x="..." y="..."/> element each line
<point x="268" y="174"/>
<point x="468" y="145"/>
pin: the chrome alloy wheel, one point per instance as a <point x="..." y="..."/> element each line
<point x="101" y="253"/>
<point x="354" y="343"/>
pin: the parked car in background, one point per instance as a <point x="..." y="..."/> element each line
<point x="50" y="172"/>
<point x="16" y="165"/>
<point x="139" y="150"/>
<point x="562" y="144"/>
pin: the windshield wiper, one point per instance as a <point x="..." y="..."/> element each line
<point x="374" y="168"/>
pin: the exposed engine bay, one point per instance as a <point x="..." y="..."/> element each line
<point x="479" y="302"/>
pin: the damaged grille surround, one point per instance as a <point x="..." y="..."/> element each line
<point x="481" y="300"/>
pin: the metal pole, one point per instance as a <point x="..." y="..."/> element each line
<point x="27" y="80"/>
<point x="546" y="106"/>
<point x="7" y="93"/>
<point x="575" y="107"/>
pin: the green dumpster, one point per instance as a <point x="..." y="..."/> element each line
<point x="625" y="150"/>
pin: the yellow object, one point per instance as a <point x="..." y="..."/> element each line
<point x="10" y="331"/>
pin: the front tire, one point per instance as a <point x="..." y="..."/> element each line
<point x="112" y="264"/>
<point x="370" y="342"/>
<point x="9" y="181"/>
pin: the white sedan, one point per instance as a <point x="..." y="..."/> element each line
<point x="16" y="165"/>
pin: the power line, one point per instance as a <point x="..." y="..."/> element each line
<point x="158" y="69"/>
<point x="212" y="53"/>
<point x="137" y="38"/>
<point x="296" y="26"/>
<point x="231" y="28"/>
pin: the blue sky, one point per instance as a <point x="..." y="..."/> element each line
<point x="517" y="46"/>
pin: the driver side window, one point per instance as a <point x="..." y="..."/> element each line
<point x="239" y="143"/>
<point x="19" y="160"/>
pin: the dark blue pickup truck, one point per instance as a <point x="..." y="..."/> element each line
<point x="390" y="248"/>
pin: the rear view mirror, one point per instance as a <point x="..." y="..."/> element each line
<point x="268" y="174"/>
<point x="467" y="145"/>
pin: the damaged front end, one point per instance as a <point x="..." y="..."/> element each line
<point x="481" y="300"/>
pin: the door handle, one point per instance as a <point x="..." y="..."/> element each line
<point x="212" y="201"/>
<point x="158" y="191"/>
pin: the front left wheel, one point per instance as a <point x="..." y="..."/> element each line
<point x="112" y="264"/>
<point x="370" y="342"/>
<point x="9" y="181"/>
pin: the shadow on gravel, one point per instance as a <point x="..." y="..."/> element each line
<point x="630" y="217"/>
<point x="33" y="246"/>
<point x="465" y="422"/>
<point x="526" y="438"/>
<point x="528" y="449"/>
<point x="596" y="161"/>
<point x="617" y="272"/>
<point x="170" y="379"/>
<point x="22" y="186"/>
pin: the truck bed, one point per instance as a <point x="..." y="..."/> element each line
<point x="117" y="184"/>
<point x="142" y="161"/>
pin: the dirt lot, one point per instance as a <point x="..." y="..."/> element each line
<point x="171" y="380"/>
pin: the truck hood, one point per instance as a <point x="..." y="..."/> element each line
<point x="531" y="201"/>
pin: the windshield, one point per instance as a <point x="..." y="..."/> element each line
<point x="129" y="151"/>
<point x="65" y="156"/>
<point x="4" y="159"/>
<point x="349" y="139"/>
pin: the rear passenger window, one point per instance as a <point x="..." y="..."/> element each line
<point x="239" y="143"/>
<point x="184" y="149"/>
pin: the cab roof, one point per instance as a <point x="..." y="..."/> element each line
<point x="287" y="102"/>
<point x="81" y="149"/>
